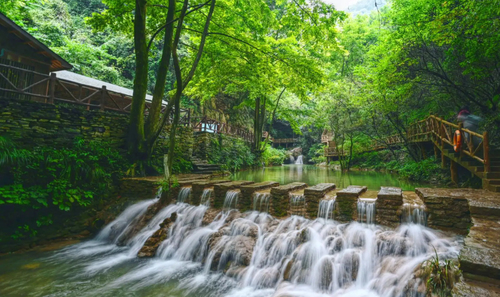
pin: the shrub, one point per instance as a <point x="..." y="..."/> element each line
<point x="45" y="177"/>
<point x="273" y="156"/>
<point x="232" y="153"/>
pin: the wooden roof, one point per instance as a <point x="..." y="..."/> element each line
<point x="57" y="63"/>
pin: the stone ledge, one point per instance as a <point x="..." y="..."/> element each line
<point x="258" y="186"/>
<point x="285" y="189"/>
<point x="390" y="193"/>
<point x="319" y="189"/>
<point x="351" y="192"/>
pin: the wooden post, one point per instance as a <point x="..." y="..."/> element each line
<point x="443" y="161"/>
<point x="461" y="151"/>
<point x="103" y="96"/>
<point x="52" y="87"/>
<point x="486" y="153"/>
<point x="454" y="172"/>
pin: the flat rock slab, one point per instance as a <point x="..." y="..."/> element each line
<point x="259" y="186"/>
<point x="481" y="254"/>
<point x="390" y="193"/>
<point x="208" y="183"/>
<point x="232" y="185"/>
<point x="188" y="182"/>
<point x="319" y="189"/>
<point x="474" y="289"/>
<point x="285" y="189"/>
<point x="351" y="192"/>
<point x="412" y="198"/>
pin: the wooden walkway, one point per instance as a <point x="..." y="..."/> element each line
<point x="475" y="153"/>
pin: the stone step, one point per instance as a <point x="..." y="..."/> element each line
<point x="494" y="181"/>
<point x="313" y="196"/>
<point x="220" y="190"/>
<point x="494" y="188"/>
<point x="471" y="288"/>
<point x="480" y="256"/>
<point x="247" y="193"/>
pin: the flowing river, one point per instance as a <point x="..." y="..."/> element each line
<point x="313" y="175"/>
<point x="227" y="253"/>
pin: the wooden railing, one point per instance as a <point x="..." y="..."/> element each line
<point x="441" y="132"/>
<point x="44" y="88"/>
<point x="205" y="124"/>
<point x="326" y="138"/>
<point x="285" y="140"/>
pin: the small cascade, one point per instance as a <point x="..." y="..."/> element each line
<point x="326" y="208"/>
<point x="299" y="160"/>
<point x="366" y="210"/>
<point x="184" y="195"/>
<point x="292" y="160"/>
<point x="297" y="204"/>
<point x="206" y="196"/>
<point x="414" y="213"/>
<point x="231" y="200"/>
<point x="261" y="201"/>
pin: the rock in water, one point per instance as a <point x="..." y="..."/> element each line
<point x="153" y="242"/>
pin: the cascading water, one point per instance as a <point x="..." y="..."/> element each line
<point x="184" y="195"/>
<point x="292" y="160"/>
<point x="206" y="253"/>
<point x="231" y="199"/>
<point x="326" y="208"/>
<point x="297" y="204"/>
<point x="206" y="196"/>
<point x="414" y="213"/>
<point x="261" y="201"/>
<point x="366" y="210"/>
<point x="299" y="160"/>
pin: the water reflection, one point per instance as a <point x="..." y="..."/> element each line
<point x="312" y="175"/>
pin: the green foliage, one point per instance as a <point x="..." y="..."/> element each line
<point x="62" y="177"/>
<point x="440" y="276"/>
<point x="419" y="171"/>
<point x="273" y="156"/>
<point x="232" y="153"/>
<point x="316" y="153"/>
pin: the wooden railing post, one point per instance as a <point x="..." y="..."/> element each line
<point x="441" y="135"/>
<point x="486" y="152"/>
<point x="103" y="96"/>
<point x="461" y="151"/>
<point x="52" y="87"/>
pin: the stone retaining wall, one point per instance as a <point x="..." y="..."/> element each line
<point x="388" y="206"/>
<point x="247" y="192"/>
<point x="313" y="196"/>
<point x="31" y="124"/>
<point x="280" y="198"/>
<point x="445" y="210"/>
<point x="220" y="191"/>
<point x="347" y="203"/>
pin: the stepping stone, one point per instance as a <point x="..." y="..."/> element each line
<point x="220" y="191"/>
<point x="247" y="193"/>
<point x="389" y="206"/>
<point x="280" y="198"/>
<point x="314" y="195"/>
<point x="347" y="203"/>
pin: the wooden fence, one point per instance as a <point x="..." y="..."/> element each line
<point x="35" y="86"/>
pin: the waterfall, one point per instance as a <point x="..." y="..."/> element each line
<point x="326" y="208"/>
<point x="231" y="199"/>
<point x="299" y="160"/>
<point x="297" y="204"/>
<point x="184" y="195"/>
<point x="414" y="213"/>
<point x="366" y="210"/>
<point x="206" y="196"/>
<point x="261" y="201"/>
<point x="228" y="253"/>
<point x="292" y="160"/>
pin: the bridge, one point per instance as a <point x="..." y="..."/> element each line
<point x="474" y="154"/>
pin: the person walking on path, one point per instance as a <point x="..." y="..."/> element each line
<point x="470" y="122"/>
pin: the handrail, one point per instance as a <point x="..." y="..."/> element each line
<point x="45" y="88"/>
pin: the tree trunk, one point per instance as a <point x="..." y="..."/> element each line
<point x="153" y="121"/>
<point x="136" y="125"/>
